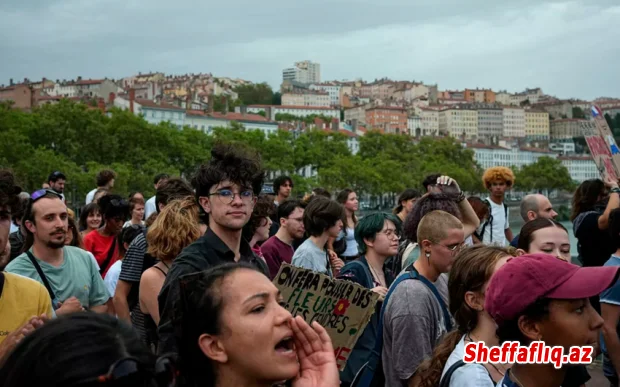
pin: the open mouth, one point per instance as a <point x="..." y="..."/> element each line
<point x="285" y="345"/>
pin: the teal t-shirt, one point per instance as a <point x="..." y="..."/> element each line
<point x="76" y="277"/>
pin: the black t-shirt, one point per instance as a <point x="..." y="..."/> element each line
<point x="595" y="246"/>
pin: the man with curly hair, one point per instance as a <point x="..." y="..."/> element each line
<point x="227" y="188"/>
<point x="496" y="230"/>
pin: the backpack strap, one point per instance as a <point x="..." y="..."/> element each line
<point x="369" y="280"/>
<point x="43" y="277"/>
<point x="106" y="263"/>
<point x="445" y="380"/>
<point x="446" y="314"/>
<point x="375" y="355"/>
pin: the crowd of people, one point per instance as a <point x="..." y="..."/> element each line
<point x="177" y="290"/>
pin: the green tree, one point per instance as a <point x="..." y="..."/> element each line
<point x="545" y="173"/>
<point x="255" y="94"/>
<point x="578" y="112"/>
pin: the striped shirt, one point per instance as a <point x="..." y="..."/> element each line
<point x="131" y="271"/>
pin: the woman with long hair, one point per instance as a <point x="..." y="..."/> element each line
<point x="103" y="243"/>
<point x="73" y="236"/>
<point x="175" y="228"/>
<point x="469" y="277"/>
<point x="348" y="198"/>
<point x="90" y="218"/>
<point x="232" y="330"/>
<point x="85" y="349"/>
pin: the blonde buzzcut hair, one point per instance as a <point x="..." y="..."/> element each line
<point x="435" y="225"/>
<point x="175" y="228"/>
<point x="498" y="173"/>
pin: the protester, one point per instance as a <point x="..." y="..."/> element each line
<point x="406" y="201"/>
<point x="546" y="236"/>
<point x="69" y="274"/>
<point x="349" y="201"/>
<point x="85" y="350"/>
<point x="555" y="311"/>
<point x="377" y="237"/>
<point x="282" y="186"/>
<point x="151" y="206"/>
<point x="103" y="243"/>
<point x="592" y="203"/>
<point x="24" y="303"/>
<point x="610" y="308"/>
<point x="256" y="230"/>
<point x="105" y="180"/>
<point x="135" y="196"/>
<point x="496" y="230"/>
<point x="17" y="237"/>
<point x="175" y="228"/>
<point x="482" y="210"/>
<point x="322" y="220"/>
<point x="452" y="202"/>
<point x="416" y="316"/>
<point x="136" y="212"/>
<point x="73" y="237"/>
<point x="279" y="248"/>
<point x="469" y="278"/>
<point x="532" y="207"/>
<point x="226" y="189"/>
<point x="216" y="312"/>
<point x="137" y="261"/>
<point x="90" y="218"/>
<point x="124" y="241"/>
<point x="56" y="181"/>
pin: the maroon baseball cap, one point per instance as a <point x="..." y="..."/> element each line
<point x="523" y="280"/>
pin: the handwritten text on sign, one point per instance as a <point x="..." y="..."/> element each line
<point x="343" y="308"/>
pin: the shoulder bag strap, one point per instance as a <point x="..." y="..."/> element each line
<point x="431" y="286"/>
<point x="375" y="354"/>
<point x="369" y="279"/>
<point x="445" y="380"/>
<point x="106" y="263"/>
<point x="43" y="277"/>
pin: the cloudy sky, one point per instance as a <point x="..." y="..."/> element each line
<point x="570" y="48"/>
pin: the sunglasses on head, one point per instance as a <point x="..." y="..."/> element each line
<point x="130" y="372"/>
<point x="36" y="195"/>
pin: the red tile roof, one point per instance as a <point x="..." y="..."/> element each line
<point x="386" y="108"/>
<point x="151" y="104"/>
<point x="484" y="146"/>
<point x="347" y="133"/>
<point x="229" y="116"/>
<point x="89" y="82"/>
<point x="292" y="107"/>
<point x="535" y="150"/>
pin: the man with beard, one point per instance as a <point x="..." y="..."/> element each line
<point x="68" y="273"/>
<point x="24" y="303"/>
<point x="226" y="189"/>
<point x="57" y="181"/>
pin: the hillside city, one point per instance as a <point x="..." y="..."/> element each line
<point x="502" y="128"/>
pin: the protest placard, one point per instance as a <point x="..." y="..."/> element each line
<point x="343" y="308"/>
<point x="602" y="145"/>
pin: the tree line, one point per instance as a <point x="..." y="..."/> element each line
<point x="80" y="140"/>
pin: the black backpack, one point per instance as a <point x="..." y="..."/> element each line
<point x="489" y="221"/>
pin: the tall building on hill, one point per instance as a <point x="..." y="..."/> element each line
<point x="304" y="72"/>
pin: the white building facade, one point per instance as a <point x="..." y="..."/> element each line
<point x="514" y="122"/>
<point x="332" y="90"/>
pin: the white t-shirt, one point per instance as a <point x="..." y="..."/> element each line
<point x="494" y="233"/>
<point x="90" y="196"/>
<point x="468" y="375"/>
<point x="149" y="207"/>
<point x="111" y="277"/>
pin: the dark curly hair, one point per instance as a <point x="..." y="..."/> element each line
<point x="428" y="203"/>
<point x="236" y="163"/>
<point x="263" y="208"/>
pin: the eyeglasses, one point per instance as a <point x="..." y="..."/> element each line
<point x="227" y="196"/>
<point x="36" y="195"/>
<point x="131" y="372"/>
<point x="391" y="234"/>
<point x="454" y="249"/>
